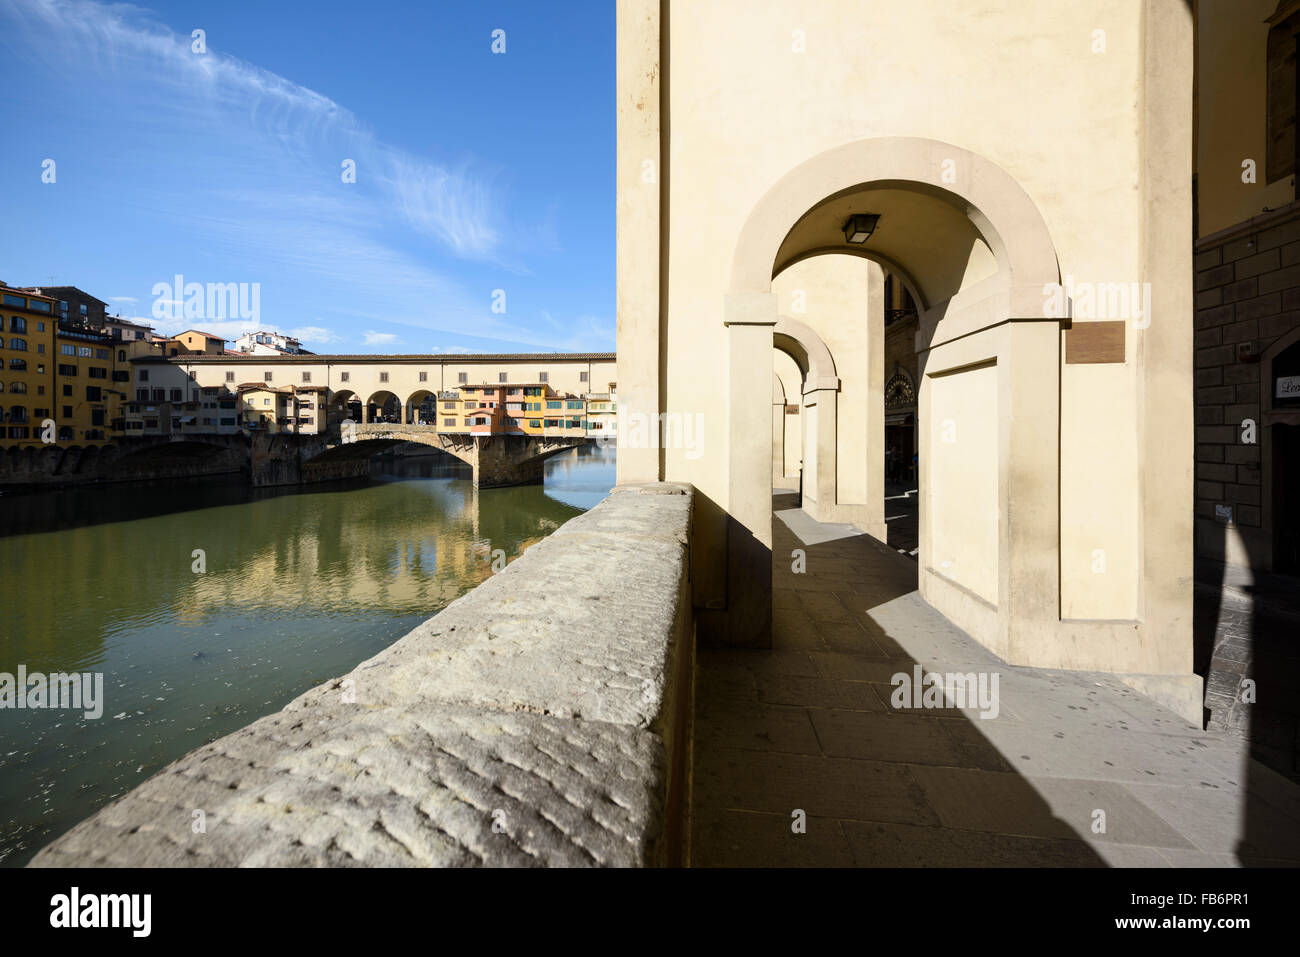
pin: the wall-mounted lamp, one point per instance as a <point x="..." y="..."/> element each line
<point x="859" y="227"/>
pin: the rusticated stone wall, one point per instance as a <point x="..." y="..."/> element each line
<point x="131" y="460"/>
<point x="541" y="719"/>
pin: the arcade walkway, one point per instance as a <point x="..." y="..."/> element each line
<point x="808" y="726"/>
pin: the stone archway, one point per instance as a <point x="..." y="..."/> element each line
<point x="990" y="338"/>
<point x="820" y="419"/>
<point x="382" y="406"/>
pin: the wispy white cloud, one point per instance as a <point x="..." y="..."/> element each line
<point x="313" y="335"/>
<point x="455" y="207"/>
<point x="373" y="338"/>
<point x="262" y="193"/>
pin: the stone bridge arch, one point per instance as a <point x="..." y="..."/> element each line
<point x="498" y="460"/>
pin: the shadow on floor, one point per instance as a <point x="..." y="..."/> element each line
<point x="1075" y="770"/>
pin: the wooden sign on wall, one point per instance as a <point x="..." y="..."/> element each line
<point x="1095" y="342"/>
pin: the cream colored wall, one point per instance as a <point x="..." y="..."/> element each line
<point x="745" y="109"/>
<point x="1087" y="109"/>
<point x="963" y="479"/>
<point x="1233" y="102"/>
<point x="1099" y="489"/>
<point x="829" y="294"/>
<point x="792" y="381"/>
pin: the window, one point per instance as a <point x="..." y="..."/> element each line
<point x="266" y="377"/>
<point x="97" y="372"/>
<point x="40" y="348"/>
<point x="12" y="300"/>
<point x="141" y="395"/>
<point x="230" y="377"/>
<point x="18" y="387"/>
<point x="543" y="377"/>
<point x="383" y="377"/>
<point x="17" y="324"/>
<point x="40" y="327"/>
<point x="96" y="416"/>
<point x="121" y="375"/>
<point x="449" y="423"/>
<point x="18" y="345"/>
<point x="176" y="395"/>
<point x="462" y="376"/>
<point x="67" y="350"/>
<point x="306" y="377"/>
<point x="344" y="376"/>
<point x="227" y="421"/>
<point x="554" y="404"/>
<point x="85" y="351"/>
<point x="502" y="377"/>
<point x="424" y="377"/>
<point x="534" y="423"/>
<point x="575" y="404"/>
<point x="67" y="370"/>
<point x="35" y="305"/>
<point x="101" y="353"/>
<point x="1280" y="106"/>
<point x="121" y="355"/>
<point x="94" y="394"/>
<point x="144" y="375"/>
<point x="19" y="364"/>
<point x="67" y="411"/>
<point x="82" y="309"/>
<point x="582" y="377"/>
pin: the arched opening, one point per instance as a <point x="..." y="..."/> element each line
<point x="383" y="406"/>
<point x="421" y="408"/>
<point x="343" y="405"/>
<point x="965" y="244"/>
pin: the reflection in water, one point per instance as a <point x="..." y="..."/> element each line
<point x="300" y="585"/>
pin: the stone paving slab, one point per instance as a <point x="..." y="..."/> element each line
<point x="943" y="786"/>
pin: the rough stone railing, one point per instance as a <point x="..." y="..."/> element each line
<point x="541" y="719"/>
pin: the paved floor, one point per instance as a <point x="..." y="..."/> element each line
<point x="1246" y="623"/>
<point x="1076" y="769"/>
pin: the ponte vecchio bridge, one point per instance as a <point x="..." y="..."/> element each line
<point x="502" y="414"/>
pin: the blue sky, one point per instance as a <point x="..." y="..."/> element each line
<point x="475" y="171"/>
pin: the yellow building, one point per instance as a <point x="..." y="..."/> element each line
<point x="88" y="391"/>
<point x="27" y="326"/>
<point x="300" y="409"/>
<point x="194" y="342"/>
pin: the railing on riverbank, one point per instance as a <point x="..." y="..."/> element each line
<point x="542" y="718"/>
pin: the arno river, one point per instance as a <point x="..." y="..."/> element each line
<point x="300" y="586"/>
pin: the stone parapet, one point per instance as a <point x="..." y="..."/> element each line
<point x="542" y="719"/>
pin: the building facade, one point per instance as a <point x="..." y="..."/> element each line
<point x="1054" y="439"/>
<point x="27" y="392"/>
<point x="1248" y="287"/>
